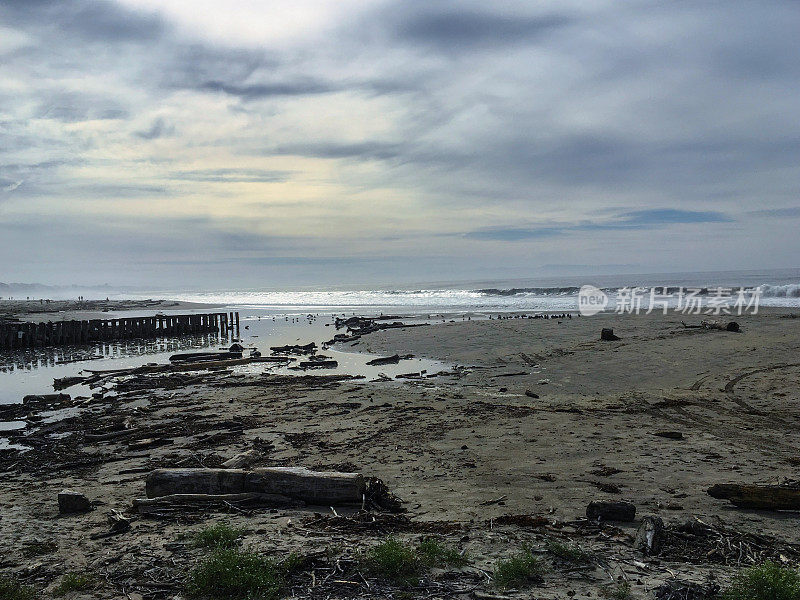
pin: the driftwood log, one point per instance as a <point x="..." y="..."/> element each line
<point x="297" y="483"/>
<point x="767" y="497"/>
<point x="610" y="511"/>
<point x="386" y="360"/>
<point x="318" y="364"/>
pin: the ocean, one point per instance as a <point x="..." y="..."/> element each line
<point x="273" y="317"/>
<point x="778" y="288"/>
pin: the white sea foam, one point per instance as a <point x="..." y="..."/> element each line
<point x="543" y="298"/>
<point x="791" y="290"/>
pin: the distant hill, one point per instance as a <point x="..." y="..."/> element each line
<point x="41" y="290"/>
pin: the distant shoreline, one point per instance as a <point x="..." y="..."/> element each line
<point x="66" y="310"/>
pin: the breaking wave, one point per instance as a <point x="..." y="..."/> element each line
<point x="791" y="290"/>
<point x="559" y="297"/>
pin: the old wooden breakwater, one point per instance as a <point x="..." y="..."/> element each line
<point x="18" y="335"/>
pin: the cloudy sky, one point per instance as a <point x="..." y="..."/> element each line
<point x="258" y="143"/>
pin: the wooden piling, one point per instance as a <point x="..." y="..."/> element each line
<point x="16" y="335"/>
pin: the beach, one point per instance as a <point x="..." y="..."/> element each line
<point x="505" y="449"/>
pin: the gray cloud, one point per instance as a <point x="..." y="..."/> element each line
<point x="630" y="220"/>
<point x="778" y="213"/>
<point x="370" y="150"/>
<point x="159" y="128"/>
<point x="88" y="20"/>
<point x="232" y="175"/>
<point x="453" y="27"/>
<point x="506" y="121"/>
<point x="261" y="90"/>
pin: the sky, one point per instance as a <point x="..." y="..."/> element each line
<point x="248" y="143"/>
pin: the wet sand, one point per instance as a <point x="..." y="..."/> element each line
<point x="462" y="451"/>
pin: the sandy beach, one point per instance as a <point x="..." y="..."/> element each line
<point x="504" y="454"/>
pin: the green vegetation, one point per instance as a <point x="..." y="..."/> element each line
<point x="394" y="561"/>
<point x="220" y="535"/>
<point x="622" y="591"/>
<point x="74" y="582"/>
<point x="11" y="589"/>
<point x="568" y="552"/>
<point x="435" y="554"/>
<point x="769" y="581"/>
<point x="239" y="575"/>
<point x="518" y="570"/>
<point x="402" y="563"/>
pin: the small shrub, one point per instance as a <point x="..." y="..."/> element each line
<point x="74" y="582"/>
<point x="769" y="581"/>
<point x="435" y="554"/>
<point x="568" y="552"/>
<point x="394" y="561"/>
<point x="220" y="535"/>
<point x="240" y="575"/>
<point x="11" y="589"/>
<point x="621" y="591"/>
<point x="519" y="569"/>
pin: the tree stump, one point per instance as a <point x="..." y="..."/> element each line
<point x="650" y="536"/>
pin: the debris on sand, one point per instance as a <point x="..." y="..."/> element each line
<point x="296" y="349"/>
<point x="607" y="335"/>
<point x="70" y="501"/>
<point x="610" y="511"/>
<point x="389" y="360"/>
<point x="732" y="326"/>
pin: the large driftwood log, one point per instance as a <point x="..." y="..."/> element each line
<point x="298" y="483"/>
<point x="768" y="497"/>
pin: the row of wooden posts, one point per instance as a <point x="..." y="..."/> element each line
<point x="17" y="335"/>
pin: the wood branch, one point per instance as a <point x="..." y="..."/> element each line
<point x="172" y="501"/>
<point x="112" y="435"/>
<point x="298" y="483"/>
<point x="243" y="460"/>
<point x="768" y="497"/>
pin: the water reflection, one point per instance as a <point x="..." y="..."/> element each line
<point x="29" y="359"/>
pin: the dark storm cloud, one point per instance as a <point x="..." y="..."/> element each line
<point x="88" y="20"/>
<point x="452" y="26"/>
